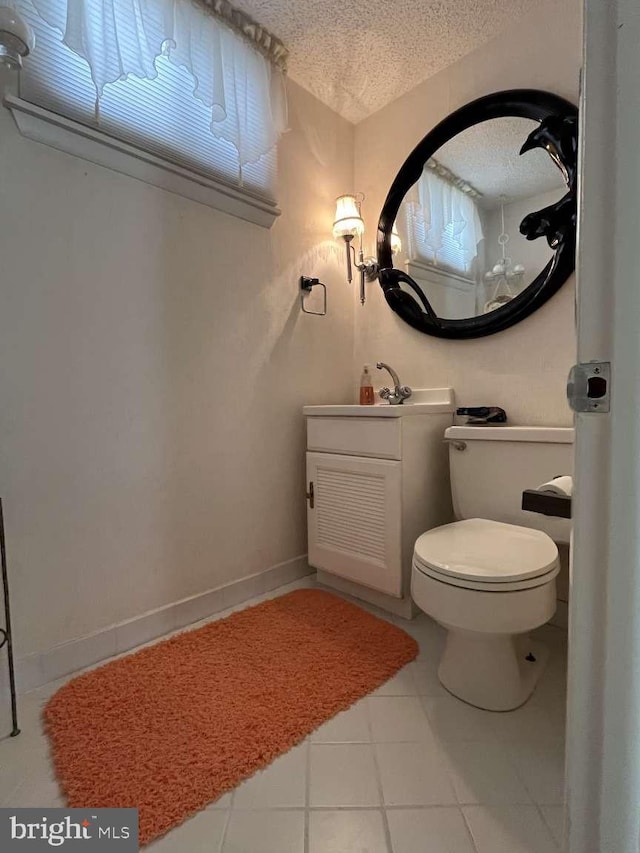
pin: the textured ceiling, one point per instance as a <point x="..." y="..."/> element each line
<point x="360" y="55"/>
<point x="486" y="156"/>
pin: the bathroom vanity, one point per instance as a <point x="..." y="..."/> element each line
<point x="377" y="477"/>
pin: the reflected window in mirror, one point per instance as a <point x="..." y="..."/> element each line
<point x="445" y="239"/>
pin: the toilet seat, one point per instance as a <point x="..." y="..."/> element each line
<point x="486" y="555"/>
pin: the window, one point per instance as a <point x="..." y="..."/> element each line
<point x="165" y="76"/>
<point x="443" y="224"/>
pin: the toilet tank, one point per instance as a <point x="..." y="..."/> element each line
<point x="491" y="466"/>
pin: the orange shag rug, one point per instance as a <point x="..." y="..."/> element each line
<point x="172" y="727"/>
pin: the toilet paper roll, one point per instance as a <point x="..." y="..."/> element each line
<point x="558" y="486"/>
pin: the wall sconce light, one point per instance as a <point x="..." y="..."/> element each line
<point x="348" y="225"/>
<point x="17" y="39"/>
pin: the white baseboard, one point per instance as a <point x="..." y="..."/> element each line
<point x="38" y="669"/>
<point x="403" y="607"/>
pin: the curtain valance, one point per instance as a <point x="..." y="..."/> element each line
<point x="237" y="66"/>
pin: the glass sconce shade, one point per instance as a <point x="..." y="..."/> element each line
<point x="396" y="242"/>
<point x="348" y="222"/>
<point x="17" y="39"/>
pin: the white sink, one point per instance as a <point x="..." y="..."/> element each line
<point x="423" y="401"/>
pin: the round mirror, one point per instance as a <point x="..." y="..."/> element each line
<point x="485" y="209"/>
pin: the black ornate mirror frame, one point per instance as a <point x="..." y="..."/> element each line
<point x="558" y="135"/>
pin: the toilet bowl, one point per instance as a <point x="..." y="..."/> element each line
<point x="487" y="583"/>
<point x="490" y="581"/>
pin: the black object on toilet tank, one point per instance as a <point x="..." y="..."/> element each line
<point x="483" y="414"/>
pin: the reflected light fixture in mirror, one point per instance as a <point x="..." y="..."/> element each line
<point x="505" y="274"/>
<point x="349" y="224"/>
<point x="396" y="242"/>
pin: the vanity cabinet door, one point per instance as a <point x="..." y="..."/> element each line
<point x="354" y="517"/>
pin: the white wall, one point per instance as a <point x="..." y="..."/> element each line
<point x="523" y="369"/>
<point x="153" y="367"/>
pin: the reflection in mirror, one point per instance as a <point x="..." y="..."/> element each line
<point x="460" y="221"/>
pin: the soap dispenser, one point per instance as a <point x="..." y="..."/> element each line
<point x="366" y="388"/>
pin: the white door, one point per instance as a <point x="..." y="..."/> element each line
<point x="603" y="727"/>
<point x="354" y="519"/>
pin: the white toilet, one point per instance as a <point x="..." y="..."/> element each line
<point x="489" y="577"/>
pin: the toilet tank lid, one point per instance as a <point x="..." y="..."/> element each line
<point x="504" y="432"/>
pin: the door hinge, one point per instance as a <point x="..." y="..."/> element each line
<point x="589" y="387"/>
<point x="310" y="496"/>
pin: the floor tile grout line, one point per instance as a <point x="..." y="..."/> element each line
<point x="393" y="807"/>
<point x="519" y="776"/>
<point x="223" y="837"/>
<point x="467" y="826"/>
<point x="383" y="810"/>
<point x="535" y="806"/>
<point x="307" y="795"/>
<point x="423" y="807"/>
<point x="374" y="808"/>
<point x="504" y="751"/>
<point x="508" y="745"/>
<point x="546" y="823"/>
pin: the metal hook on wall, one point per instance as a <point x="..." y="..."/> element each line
<point x="306" y="286"/>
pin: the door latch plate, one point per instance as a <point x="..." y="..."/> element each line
<point x="589" y="387"/>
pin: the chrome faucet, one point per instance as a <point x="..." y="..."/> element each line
<point x="400" y="392"/>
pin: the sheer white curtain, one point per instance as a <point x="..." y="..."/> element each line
<point x="443" y="225"/>
<point x="166" y="74"/>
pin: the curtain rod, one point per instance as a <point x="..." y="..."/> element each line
<point x="269" y="45"/>
<point x="452" y="178"/>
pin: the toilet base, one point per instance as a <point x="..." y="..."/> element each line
<point x="491" y="671"/>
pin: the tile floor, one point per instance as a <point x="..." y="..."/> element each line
<point x="409" y="769"/>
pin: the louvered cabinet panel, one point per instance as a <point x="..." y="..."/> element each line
<point x="354" y="523"/>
